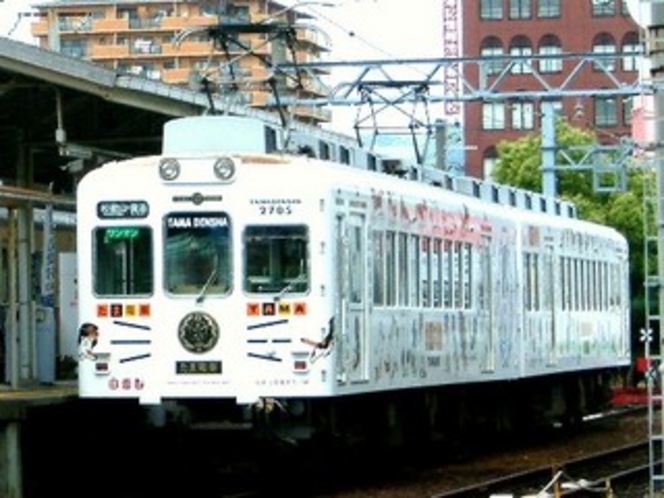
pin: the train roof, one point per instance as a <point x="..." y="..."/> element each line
<point x="212" y="134"/>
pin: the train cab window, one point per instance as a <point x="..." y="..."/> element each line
<point x="122" y="261"/>
<point x="276" y="259"/>
<point x="197" y="250"/>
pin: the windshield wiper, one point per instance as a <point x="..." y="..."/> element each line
<point x="201" y="294"/>
<point x="302" y="277"/>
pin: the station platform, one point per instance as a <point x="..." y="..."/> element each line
<point x="14" y="403"/>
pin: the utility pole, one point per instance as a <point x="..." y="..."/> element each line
<point x="649" y="14"/>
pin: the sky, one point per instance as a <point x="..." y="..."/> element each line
<point x="357" y="29"/>
<point x="12" y="21"/>
<point x="372" y="29"/>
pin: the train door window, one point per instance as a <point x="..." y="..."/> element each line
<point x="276" y="259"/>
<point x="356" y="259"/>
<point x="378" y="254"/>
<point x="197" y="254"/>
<point x="548" y="276"/>
<point x="122" y="261"/>
<point x="390" y="267"/>
<point x="532" y="291"/>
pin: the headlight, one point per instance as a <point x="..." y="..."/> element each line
<point x="169" y="169"/>
<point x="224" y="169"/>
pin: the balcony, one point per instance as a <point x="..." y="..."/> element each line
<point x="106" y="52"/>
<point x="110" y="25"/>
<point x="311" y="113"/>
<point x="315" y="38"/>
<point x="179" y="76"/>
<point x="39" y="28"/>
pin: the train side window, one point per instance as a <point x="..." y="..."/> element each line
<point x="270" y="139"/>
<point x="371" y="162"/>
<point x="324" y="150"/>
<point x="390" y="267"/>
<point x="467" y="274"/>
<point x="425" y="270"/>
<point x="448" y="273"/>
<point x="344" y="155"/>
<point x="276" y="259"/>
<point x="404" y="269"/>
<point x="378" y="252"/>
<point x="197" y="254"/>
<point x="438" y="273"/>
<point x="122" y="261"/>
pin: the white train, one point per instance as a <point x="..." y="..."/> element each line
<point x="230" y="283"/>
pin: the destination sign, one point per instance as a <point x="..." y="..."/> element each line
<point x="122" y="209"/>
<point x="198" y="220"/>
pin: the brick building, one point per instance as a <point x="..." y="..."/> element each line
<point x="547" y="27"/>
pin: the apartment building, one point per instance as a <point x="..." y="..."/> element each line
<point x="547" y="27"/>
<point x="229" y="46"/>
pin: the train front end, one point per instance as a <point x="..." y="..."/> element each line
<point x="196" y="282"/>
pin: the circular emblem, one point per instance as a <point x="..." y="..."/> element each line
<point x="198" y="332"/>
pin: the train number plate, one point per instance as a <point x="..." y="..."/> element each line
<point x="198" y="367"/>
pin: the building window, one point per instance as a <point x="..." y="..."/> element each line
<point x="491" y="9"/>
<point x="631" y="49"/>
<point x="493" y="116"/>
<point x="603" y="8"/>
<point x="519" y="9"/>
<point x="492" y="47"/>
<point x="74" y="48"/>
<point x="604" y="44"/>
<point x="550" y="46"/>
<point x="489" y="162"/>
<point x="548" y="8"/>
<point x="627" y="108"/>
<point x="238" y="13"/>
<point x="606" y="112"/>
<point x="523" y="115"/>
<point x="521" y="47"/>
<point x="624" y="8"/>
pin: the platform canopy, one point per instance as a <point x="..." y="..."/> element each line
<point x="60" y="116"/>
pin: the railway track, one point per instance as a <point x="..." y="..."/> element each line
<point x="217" y="464"/>
<point x="596" y="474"/>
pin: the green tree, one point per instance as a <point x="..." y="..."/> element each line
<point x="519" y="164"/>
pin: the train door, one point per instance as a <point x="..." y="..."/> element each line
<point x="485" y="303"/>
<point x="548" y="301"/>
<point x="353" y="337"/>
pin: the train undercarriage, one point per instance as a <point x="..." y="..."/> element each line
<point x="403" y="417"/>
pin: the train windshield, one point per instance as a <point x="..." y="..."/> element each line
<point x="276" y="259"/>
<point x="122" y="261"/>
<point x="197" y="250"/>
